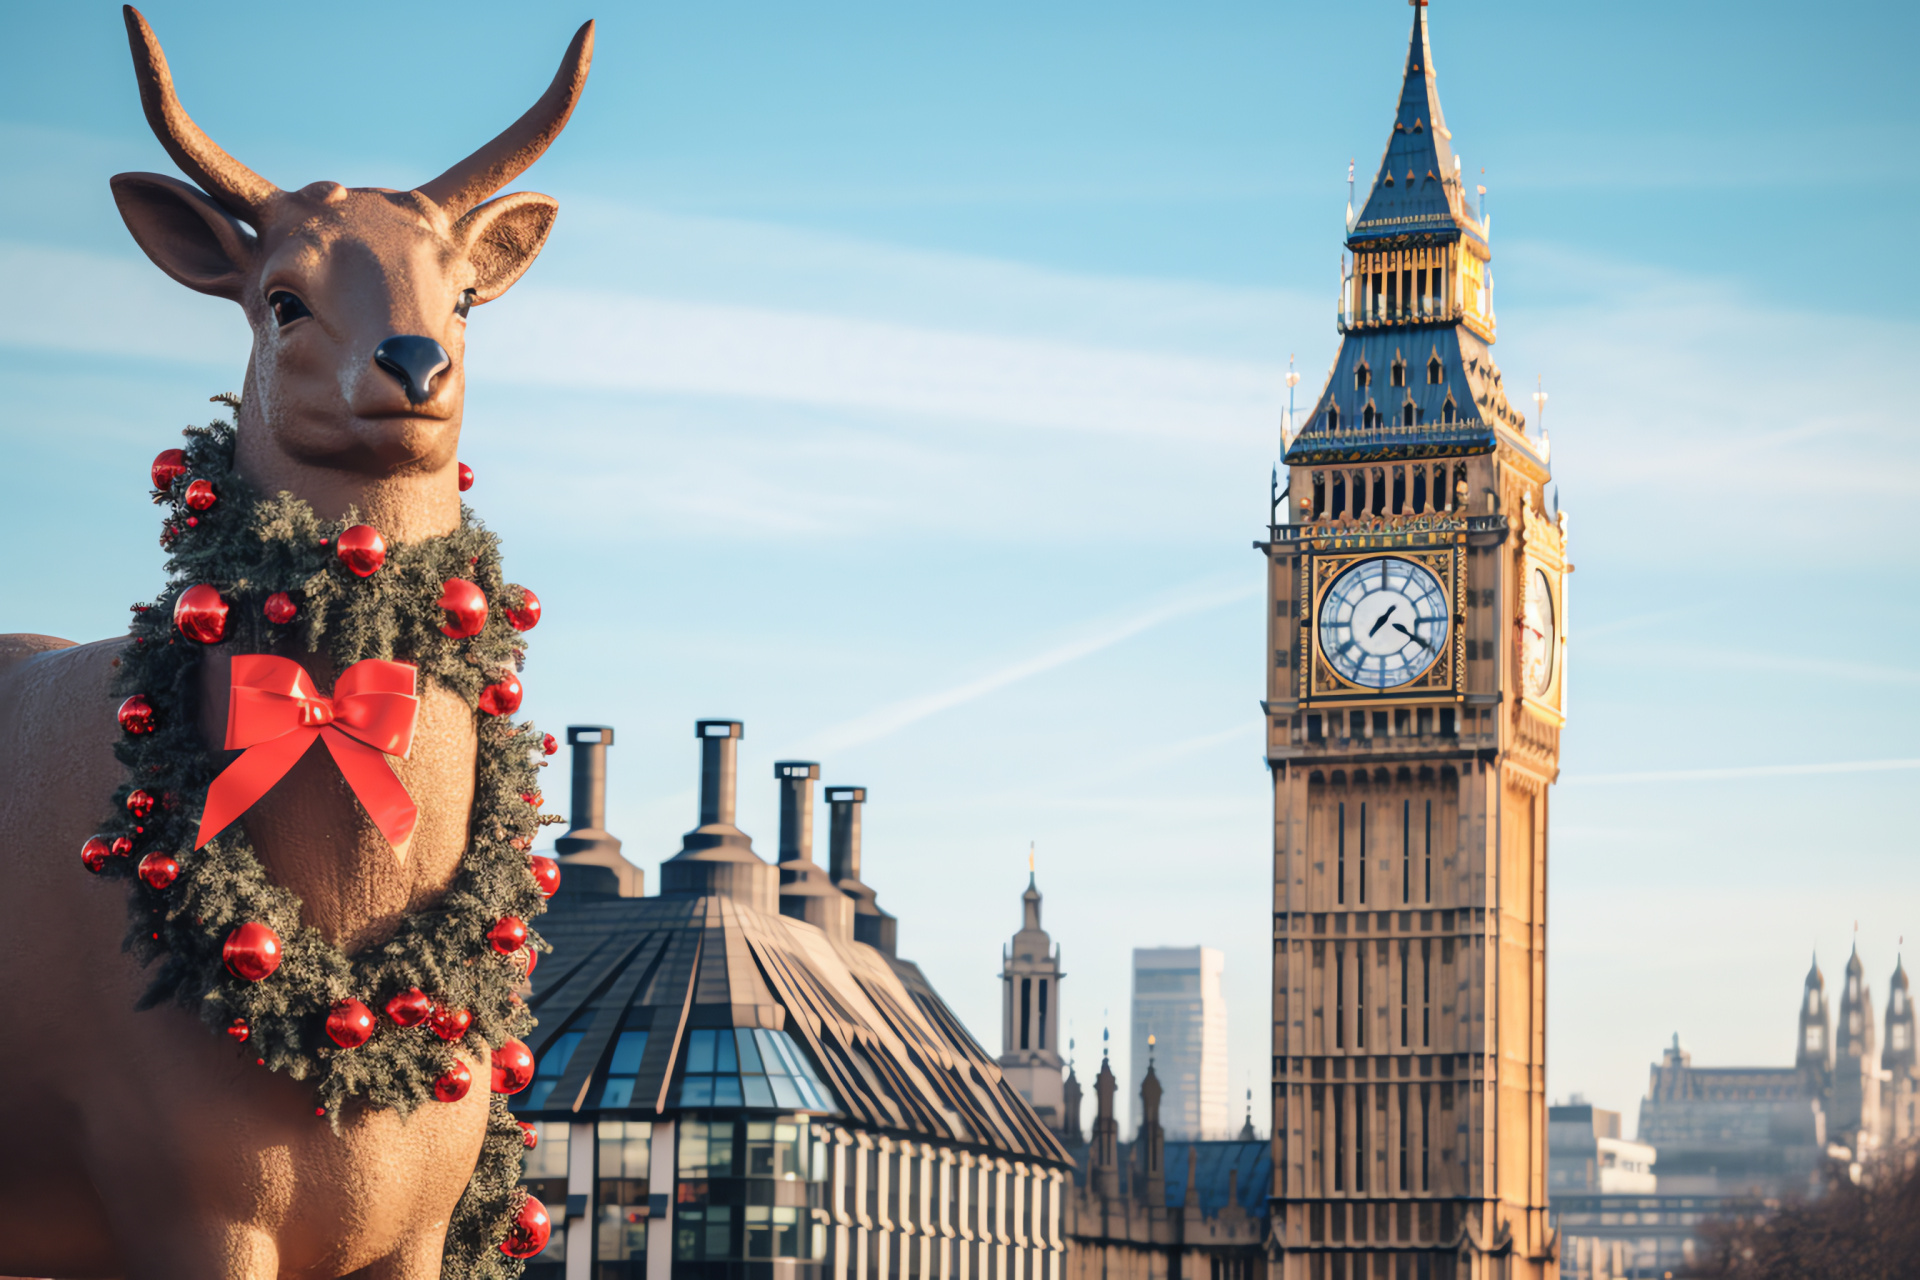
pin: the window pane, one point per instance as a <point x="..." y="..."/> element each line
<point x="626" y="1053"/>
<point x="553" y="1063"/>
<point x="726" y="1091"/>
<point x="758" y="1092"/>
<point x="618" y="1093"/>
<point x="700" y="1051"/>
<point x="724" y="1059"/>
<point x="696" y="1091"/>
<point x="784" y="1093"/>
<point x="749" y="1057"/>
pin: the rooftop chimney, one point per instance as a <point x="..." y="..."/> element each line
<point x="716" y="859"/>
<point x="806" y="892"/>
<point x="871" y="925"/>
<point x="591" y="864"/>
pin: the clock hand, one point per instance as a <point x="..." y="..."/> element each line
<point x="1409" y="635"/>
<point x="1381" y="621"/>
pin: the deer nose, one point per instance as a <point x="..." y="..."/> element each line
<point x="414" y="360"/>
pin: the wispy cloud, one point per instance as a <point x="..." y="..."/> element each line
<point x="583" y="340"/>
<point x="1739" y="772"/>
<point x="890" y="719"/>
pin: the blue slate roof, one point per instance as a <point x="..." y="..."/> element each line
<point x="1468" y="377"/>
<point x="1252" y="1162"/>
<point x="1415" y="189"/>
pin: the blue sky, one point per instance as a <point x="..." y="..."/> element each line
<point x="905" y="384"/>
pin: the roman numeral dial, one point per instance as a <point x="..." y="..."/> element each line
<point x="1383" y="622"/>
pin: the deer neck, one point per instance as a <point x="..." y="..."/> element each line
<point x="421" y="499"/>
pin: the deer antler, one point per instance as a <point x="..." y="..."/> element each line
<point x="495" y="165"/>
<point x="239" y="189"/>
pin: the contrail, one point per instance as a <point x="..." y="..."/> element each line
<point x="892" y="718"/>
<point x="1748" y="771"/>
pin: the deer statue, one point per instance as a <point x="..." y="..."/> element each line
<point x="137" y="1143"/>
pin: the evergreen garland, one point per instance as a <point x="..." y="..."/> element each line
<point x="248" y="547"/>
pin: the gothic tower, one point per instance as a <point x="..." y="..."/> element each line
<point x="1899" y="1065"/>
<point x="1030" y="1015"/>
<point x="1813" y="1049"/>
<point x="1854" y="1119"/>
<point x="1415" y="698"/>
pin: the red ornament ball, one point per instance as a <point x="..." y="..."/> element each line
<point x="201" y="614"/>
<point x="449" y="1024"/>
<point x="527" y="616"/>
<point x="453" y="1086"/>
<point x="139" y="804"/>
<point x="546" y="874"/>
<point x="466" y="606"/>
<point x="466" y="477"/>
<point x="527" y="1234"/>
<point x="508" y="935"/>
<point x="94" y="854"/>
<point x="410" y="1008"/>
<point x="200" y="495"/>
<point x="350" y="1024"/>
<point x="252" y="951"/>
<point x="502" y="698"/>
<point x="136" y="715"/>
<point x="280" y="608"/>
<point x="168" y="465"/>
<point x="512" y="1067"/>
<point x="239" y="1030"/>
<point x="361" y="549"/>
<point x="529" y="1136"/>
<point x="549" y="745"/>
<point x="122" y="846"/>
<point x="158" y="870"/>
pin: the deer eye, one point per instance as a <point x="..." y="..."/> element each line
<point x="286" y="307"/>
<point x="465" y="304"/>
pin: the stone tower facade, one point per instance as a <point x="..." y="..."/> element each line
<point x="1414" y="704"/>
<point x="1030" y="1016"/>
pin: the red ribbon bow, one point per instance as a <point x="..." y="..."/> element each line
<point x="274" y="714"/>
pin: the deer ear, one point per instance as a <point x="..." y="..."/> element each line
<point x="503" y="237"/>
<point x="186" y="234"/>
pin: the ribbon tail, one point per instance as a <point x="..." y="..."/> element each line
<point x="380" y="790"/>
<point x="243" y="782"/>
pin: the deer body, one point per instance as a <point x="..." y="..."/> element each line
<point x="139" y="1144"/>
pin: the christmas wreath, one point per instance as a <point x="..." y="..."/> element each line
<point x="266" y="576"/>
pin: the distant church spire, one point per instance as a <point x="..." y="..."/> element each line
<point x="1030" y="979"/>
<point x="1814" y="1048"/>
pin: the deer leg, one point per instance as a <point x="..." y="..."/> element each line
<point x="229" y="1251"/>
<point x="417" y="1258"/>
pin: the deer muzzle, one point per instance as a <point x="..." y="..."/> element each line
<point x="414" y="362"/>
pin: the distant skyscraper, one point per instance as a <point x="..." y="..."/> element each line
<point x="1177" y="1001"/>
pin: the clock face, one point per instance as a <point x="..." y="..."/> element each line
<point x="1383" y="622"/>
<point x="1537" y="639"/>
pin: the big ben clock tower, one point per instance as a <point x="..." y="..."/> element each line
<point x="1415" y="696"/>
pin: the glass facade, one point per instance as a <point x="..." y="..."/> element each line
<point x="745" y="1067"/>
<point x="621" y="1163"/>
<point x="544" y="1175"/>
<point x="750" y="1194"/>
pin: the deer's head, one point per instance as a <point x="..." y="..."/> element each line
<point x="357" y="297"/>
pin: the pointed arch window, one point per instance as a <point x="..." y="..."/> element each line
<point x="1333" y="417"/>
<point x="1399" y="373"/>
<point x="1362" y="377"/>
<point x="1434" y="371"/>
<point x="1406" y="414"/>
<point x="1369" y="418"/>
<point x="1447" y="411"/>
